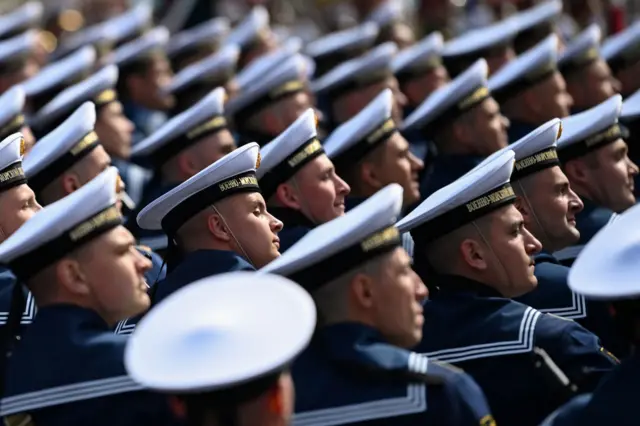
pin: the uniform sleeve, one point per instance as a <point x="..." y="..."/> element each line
<point x="473" y="408"/>
<point x="578" y="353"/>
<point x="465" y="400"/>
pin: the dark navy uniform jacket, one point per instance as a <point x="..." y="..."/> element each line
<point x="296" y="226"/>
<point x="196" y="265"/>
<point x="589" y="221"/>
<point x="156" y="240"/>
<point x="614" y="403"/>
<point x="8" y="280"/>
<point x="495" y="339"/>
<point x="7" y="283"/>
<point x="553" y="296"/>
<point x="350" y="375"/>
<point x="146" y="121"/>
<point x="445" y="170"/>
<point x="566" y="415"/>
<point x="68" y="369"/>
<point x="517" y="130"/>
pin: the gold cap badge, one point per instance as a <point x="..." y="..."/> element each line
<point x="559" y="131"/>
<point x="258" y="160"/>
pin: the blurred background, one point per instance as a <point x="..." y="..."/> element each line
<point x="308" y="18"/>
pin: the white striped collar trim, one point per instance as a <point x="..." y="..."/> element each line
<point x="27" y="316"/>
<point x="414" y="402"/>
<point x="66" y="394"/>
<point x="125" y="328"/>
<point x="523" y="344"/>
<point x="577" y="310"/>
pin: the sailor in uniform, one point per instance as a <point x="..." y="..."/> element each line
<point x="333" y="49"/>
<point x="630" y="118"/>
<point x="216" y="222"/>
<point x="225" y="366"/>
<point x="604" y="261"/>
<point x="196" y="43"/>
<point x="12" y="120"/>
<point x="70" y="157"/>
<point x="465" y="124"/>
<point x="183" y="146"/>
<point x="144" y="72"/>
<point x="113" y="129"/>
<point x="299" y="181"/>
<point x="55" y="77"/>
<point x="348" y="88"/>
<point x="17" y="62"/>
<point x="420" y="72"/>
<point x="253" y="35"/>
<point x="81" y="266"/>
<point x="536" y="23"/>
<point x="18" y="204"/>
<point x="621" y="54"/>
<point x="271" y="100"/>
<point x="358" y="369"/>
<point x="198" y="79"/>
<point x="594" y="158"/>
<point x="493" y="43"/>
<point x="475" y="254"/>
<point x="589" y="79"/>
<point x="549" y="208"/>
<point x="530" y="90"/>
<point x="369" y="153"/>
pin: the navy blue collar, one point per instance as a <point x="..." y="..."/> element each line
<point x="354" y="345"/>
<point x="203" y="263"/>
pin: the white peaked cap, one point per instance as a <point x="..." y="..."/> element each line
<point x="227" y="340"/>
<point x="242" y="160"/>
<point x="466" y="189"/>
<point x="607" y="267"/>
<point x="65" y="69"/>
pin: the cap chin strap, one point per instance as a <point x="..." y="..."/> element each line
<point x="533" y="212"/>
<point x="303" y="203"/>
<point x="244" y="253"/>
<point x="475" y="225"/>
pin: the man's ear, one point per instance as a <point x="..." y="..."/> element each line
<point x="474" y="254"/>
<point x="530" y="98"/>
<point x="369" y="175"/>
<point x="524" y="208"/>
<point x="576" y="172"/>
<point x="70" y="275"/>
<point x="462" y="132"/>
<point x="187" y="165"/>
<point x="361" y="291"/>
<point x="133" y="83"/>
<point x="269" y="119"/>
<point x="70" y="183"/>
<point x="288" y="196"/>
<point x="217" y="227"/>
<point x="276" y="404"/>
